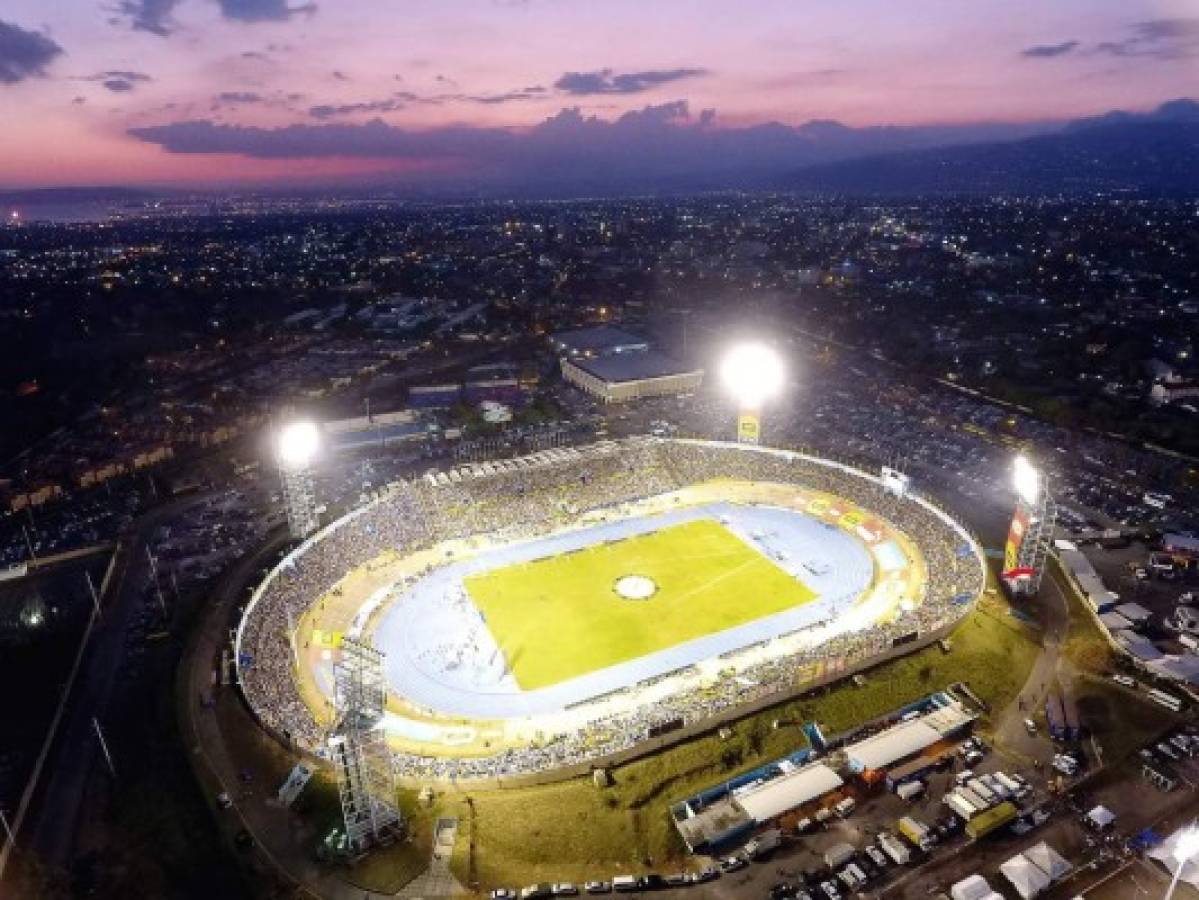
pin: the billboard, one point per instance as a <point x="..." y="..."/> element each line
<point x="1015" y="539"/>
<point x="748" y="428"/>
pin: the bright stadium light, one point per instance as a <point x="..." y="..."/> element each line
<point x="298" y="443"/>
<point x="752" y="373"/>
<point x="1027" y="479"/>
<point x="296" y="447"/>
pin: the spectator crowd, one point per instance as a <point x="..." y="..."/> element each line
<point x="532" y="495"/>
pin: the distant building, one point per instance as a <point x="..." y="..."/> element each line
<point x="1171" y="392"/>
<point x="434" y="396"/>
<point x="630" y="376"/>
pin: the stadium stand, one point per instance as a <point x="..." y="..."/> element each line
<point x="521" y="498"/>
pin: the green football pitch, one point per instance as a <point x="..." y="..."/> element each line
<point x="561" y="617"/>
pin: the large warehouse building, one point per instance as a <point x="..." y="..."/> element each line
<point x="629" y="376"/>
<point x="613" y="365"/>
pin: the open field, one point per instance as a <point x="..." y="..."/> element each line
<point x="560" y="617"/>
<point x="572" y="830"/>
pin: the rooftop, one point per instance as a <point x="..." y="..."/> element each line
<point x="633" y="366"/>
<point x="597" y="340"/>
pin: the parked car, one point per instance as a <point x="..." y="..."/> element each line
<point x="536" y="892"/>
<point x="732" y="863"/>
<point x="678" y="879"/>
<point x="503" y="894"/>
<point x="597" y="887"/>
<point x="707" y="873"/>
<point x="565" y="889"/>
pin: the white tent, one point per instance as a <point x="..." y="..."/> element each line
<point x="1101" y="817"/>
<point x="1164" y="853"/>
<point x="973" y="888"/>
<point x="1048" y="861"/>
<point x="1026" y="878"/>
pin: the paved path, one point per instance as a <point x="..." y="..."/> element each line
<point x="437" y="881"/>
<point x="1054" y="616"/>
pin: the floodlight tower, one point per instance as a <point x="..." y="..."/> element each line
<point x="752" y="374"/>
<point x="298" y="443"/>
<point x="1031" y="529"/>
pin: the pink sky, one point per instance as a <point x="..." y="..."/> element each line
<point x="860" y="63"/>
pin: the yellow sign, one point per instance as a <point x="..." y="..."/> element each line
<point x="748" y="428"/>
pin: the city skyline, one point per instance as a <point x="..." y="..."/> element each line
<point x="260" y="92"/>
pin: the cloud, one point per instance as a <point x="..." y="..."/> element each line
<point x="604" y="81"/>
<point x="157" y="16"/>
<point x="119" y="81"/>
<point x="329" y="111"/>
<point x="530" y="93"/>
<point x="1049" y="51"/>
<point x="24" y="54"/>
<point x="154" y="16"/>
<point x="650" y="147"/>
<point x="263" y="10"/>
<point x="1162" y="39"/>
<point x="240" y="97"/>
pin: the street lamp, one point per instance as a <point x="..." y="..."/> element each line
<point x="752" y="373"/>
<point x="1186" y="848"/>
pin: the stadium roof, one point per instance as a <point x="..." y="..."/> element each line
<point x="632" y="366"/>
<point x="781" y="794"/>
<point x="890" y="746"/>
<point x="598" y="340"/>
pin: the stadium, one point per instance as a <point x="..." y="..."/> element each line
<point x="573" y="608"/>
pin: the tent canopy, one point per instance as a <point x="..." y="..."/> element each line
<point x="1048" y="861"/>
<point x="1101" y="816"/>
<point x="973" y="888"/>
<point x="1025" y="877"/>
<point x="1164" y="853"/>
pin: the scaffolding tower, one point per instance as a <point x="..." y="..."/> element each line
<point x="1034" y="548"/>
<point x="365" y="778"/>
<point x="299" y="497"/>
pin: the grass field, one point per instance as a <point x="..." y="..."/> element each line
<point x="560" y="617"/>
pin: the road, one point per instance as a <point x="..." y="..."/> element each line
<point x="58" y="801"/>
